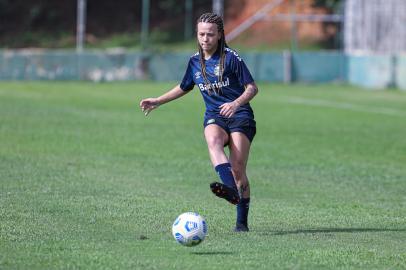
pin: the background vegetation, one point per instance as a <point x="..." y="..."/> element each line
<point x="52" y="24"/>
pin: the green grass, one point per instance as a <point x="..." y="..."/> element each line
<point x="86" y="181"/>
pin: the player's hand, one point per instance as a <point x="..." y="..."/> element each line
<point x="149" y="104"/>
<point x="229" y="109"/>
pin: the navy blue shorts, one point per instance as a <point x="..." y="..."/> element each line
<point x="243" y="125"/>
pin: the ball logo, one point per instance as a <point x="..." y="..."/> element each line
<point x="190" y="226"/>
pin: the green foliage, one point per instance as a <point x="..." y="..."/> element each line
<point x="89" y="182"/>
<point x="172" y="5"/>
<point x="331" y="5"/>
<point x="104" y="17"/>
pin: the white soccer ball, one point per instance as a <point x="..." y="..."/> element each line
<point x="189" y="229"/>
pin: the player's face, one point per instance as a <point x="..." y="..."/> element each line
<point x="208" y="37"/>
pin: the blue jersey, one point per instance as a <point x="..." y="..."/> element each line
<point x="235" y="76"/>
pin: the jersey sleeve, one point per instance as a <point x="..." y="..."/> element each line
<point x="187" y="83"/>
<point x="240" y="69"/>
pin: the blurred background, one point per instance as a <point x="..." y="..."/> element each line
<point x="53" y="24"/>
<point x="362" y="42"/>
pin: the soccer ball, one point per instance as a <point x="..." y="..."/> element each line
<point x="189" y="229"/>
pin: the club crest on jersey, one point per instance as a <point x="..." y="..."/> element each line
<point x="198" y="74"/>
<point x="216" y="70"/>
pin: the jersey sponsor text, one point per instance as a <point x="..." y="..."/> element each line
<point x="208" y="86"/>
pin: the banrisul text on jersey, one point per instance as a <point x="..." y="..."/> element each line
<point x="206" y="87"/>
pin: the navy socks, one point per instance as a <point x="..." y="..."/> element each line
<point x="242" y="211"/>
<point x="225" y="174"/>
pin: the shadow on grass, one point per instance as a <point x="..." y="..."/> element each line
<point x="333" y="230"/>
<point x="212" y="253"/>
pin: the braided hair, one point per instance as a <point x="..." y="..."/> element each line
<point x="216" y="19"/>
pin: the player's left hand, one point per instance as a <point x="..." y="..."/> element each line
<point x="229" y="109"/>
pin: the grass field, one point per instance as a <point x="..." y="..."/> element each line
<point x="88" y="182"/>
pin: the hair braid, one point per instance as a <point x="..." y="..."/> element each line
<point x="216" y="19"/>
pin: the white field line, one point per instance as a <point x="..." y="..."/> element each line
<point x="344" y="106"/>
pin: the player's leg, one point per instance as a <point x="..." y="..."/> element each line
<point x="216" y="138"/>
<point x="239" y="151"/>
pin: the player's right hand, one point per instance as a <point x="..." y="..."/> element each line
<point x="149" y="104"/>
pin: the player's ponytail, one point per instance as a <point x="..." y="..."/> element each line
<point x="216" y="19"/>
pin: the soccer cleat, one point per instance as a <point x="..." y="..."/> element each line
<point x="241" y="228"/>
<point x="225" y="192"/>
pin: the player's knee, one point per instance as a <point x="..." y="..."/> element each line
<point x="215" y="143"/>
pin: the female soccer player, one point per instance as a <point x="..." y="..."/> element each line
<point x="227" y="87"/>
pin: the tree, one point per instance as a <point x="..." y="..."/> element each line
<point x="332" y="6"/>
<point x="331" y="30"/>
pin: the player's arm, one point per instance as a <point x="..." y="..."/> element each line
<point x="149" y="104"/>
<point x="228" y="109"/>
<point x="250" y="92"/>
